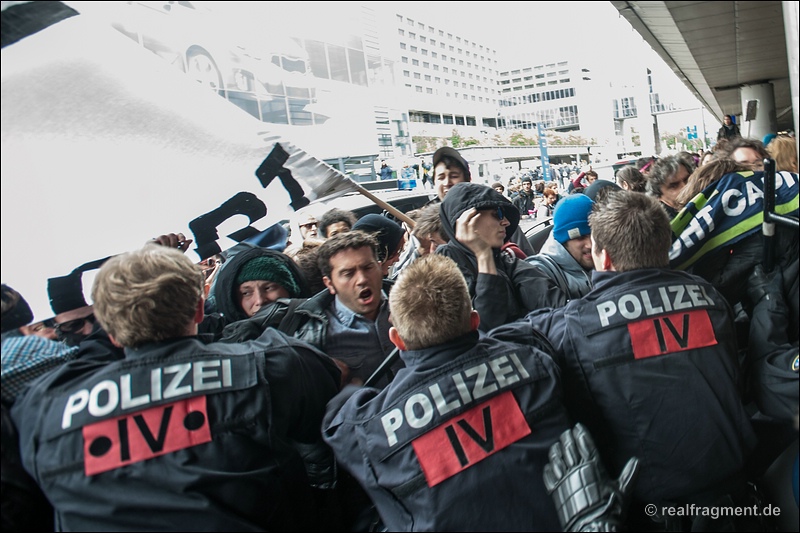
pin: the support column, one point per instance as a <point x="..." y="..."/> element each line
<point x="765" y="120"/>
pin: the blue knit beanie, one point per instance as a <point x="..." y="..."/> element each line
<point x="768" y="138"/>
<point x="571" y="217"/>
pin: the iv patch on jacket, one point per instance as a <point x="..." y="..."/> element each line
<point x="671" y="333"/>
<point x="470" y="438"/>
<point x="139" y="436"/>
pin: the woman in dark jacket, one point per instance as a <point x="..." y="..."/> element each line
<point x="503" y="288"/>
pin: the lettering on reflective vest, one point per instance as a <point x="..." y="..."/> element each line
<point x="136" y="437"/>
<point x="671" y="333"/>
<point x="466" y="440"/>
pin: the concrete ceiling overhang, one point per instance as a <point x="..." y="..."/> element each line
<point x="716" y="48"/>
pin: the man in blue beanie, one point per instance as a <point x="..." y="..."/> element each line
<point x="566" y="256"/>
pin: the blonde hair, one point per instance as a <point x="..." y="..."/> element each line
<point x="430" y="302"/>
<point x="783" y="149"/>
<point x="147" y="295"/>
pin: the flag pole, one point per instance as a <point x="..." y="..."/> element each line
<point x="391" y="209"/>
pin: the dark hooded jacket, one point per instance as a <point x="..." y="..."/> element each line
<point x="518" y="287"/>
<point x="223" y="292"/>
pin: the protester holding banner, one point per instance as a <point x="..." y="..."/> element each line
<point x="704" y="176"/>
<point x="749" y="152"/>
<point x="717" y="234"/>
<point x="179" y="434"/>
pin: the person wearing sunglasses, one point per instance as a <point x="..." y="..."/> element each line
<point x="74" y="318"/>
<point x="478" y="221"/>
<point x="449" y="169"/>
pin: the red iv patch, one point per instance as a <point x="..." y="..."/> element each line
<point x="146" y="434"/>
<point x="677" y="332"/>
<point x="470" y="438"/>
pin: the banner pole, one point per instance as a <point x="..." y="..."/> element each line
<point x="391" y="209"/>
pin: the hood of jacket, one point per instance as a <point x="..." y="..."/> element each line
<point x="464" y="196"/>
<point x="561" y="255"/>
<point x="224" y="289"/>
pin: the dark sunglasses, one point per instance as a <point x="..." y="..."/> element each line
<point x="500" y="215"/>
<point x="73" y="326"/>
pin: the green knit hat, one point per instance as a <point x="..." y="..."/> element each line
<point x="268" y="269"/>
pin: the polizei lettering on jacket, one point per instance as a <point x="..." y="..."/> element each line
<point x="140" y="387"/>
<point x="651" y="302"/>
<point x="453" y="392"/>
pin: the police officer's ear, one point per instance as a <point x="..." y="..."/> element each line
<point x="474" y="320"/>
<point x="199" y="313"/>
<point x="605" y="263"/>
<point x="394" y="336"/>
<point x="114" y="341"/>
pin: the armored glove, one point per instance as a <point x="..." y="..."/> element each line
<point x="586" y="499"/>
<point x="761" y="284"/>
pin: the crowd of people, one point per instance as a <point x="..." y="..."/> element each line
<point x="442" y="375"/>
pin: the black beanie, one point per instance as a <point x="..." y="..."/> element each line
<point x="388" y="232"/>
<point x="17" y="316"/>
<point x="452" y="153"/>
<point x="66" y="292"/>
<point x="266" y="268"/>
<point x="594" y="189"/>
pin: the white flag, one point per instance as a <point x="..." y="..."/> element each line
<point x="105" y="146"/>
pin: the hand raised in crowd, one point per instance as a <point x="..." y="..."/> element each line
<point x="471" y="234"/>
<point x="173" y="240"/>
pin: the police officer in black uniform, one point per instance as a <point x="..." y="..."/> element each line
<point x="459" y="439"/>
<point x="180" y="434"/>
<point x="649" y="363"/>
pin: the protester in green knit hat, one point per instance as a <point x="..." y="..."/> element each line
<point x="263" y="280"/>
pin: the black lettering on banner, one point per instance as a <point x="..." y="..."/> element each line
<point x="204" y="227"/>
<point x="272" y="166"/>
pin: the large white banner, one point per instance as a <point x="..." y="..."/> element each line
<point x="105" y="146"/>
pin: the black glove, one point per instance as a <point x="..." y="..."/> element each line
<point x="761" y="284"/>
<point x="586" y="499"/>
